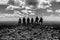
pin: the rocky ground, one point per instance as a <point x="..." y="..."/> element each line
<point x="29" y="33"/>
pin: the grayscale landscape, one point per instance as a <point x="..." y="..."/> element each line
<point x="29" y="19"/>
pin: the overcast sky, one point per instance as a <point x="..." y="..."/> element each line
<point x="48" y="9"/>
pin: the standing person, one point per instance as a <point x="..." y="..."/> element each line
<point x="24" y="21"/>
<point x="28" y="20"/>
<point x="19" y="22"/>
<point x="41" y="20"/>
<point x="36" y="19"/>
<point x="32" y="20"/>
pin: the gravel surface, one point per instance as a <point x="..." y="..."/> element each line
<point x="25" y="33"/>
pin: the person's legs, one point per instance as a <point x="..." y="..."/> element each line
<point x="41" y="23"/>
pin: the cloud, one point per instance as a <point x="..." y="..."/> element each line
<point x="57" y="0"/>
<point x="16" y="2"/>
<point x="24" y="11"/>
<point x="44" y="4"/>
<point x="11" y="7"/>
<point x="4" y="1"/>
<point x="41" y="3"/>
<point x="27" y="7"/>
<point x="57" y="11"/>
<point x="12" y="15"/>
<point x="49" y="10"/>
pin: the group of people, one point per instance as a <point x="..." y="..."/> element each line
<point x="37" y="20"/>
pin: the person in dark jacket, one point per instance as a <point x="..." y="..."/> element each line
<point x="28" y="20"/>
<point x="24" y="21"/>
<point x="19" y="22"/>
<point x="36" y="19"/>
<point x="32" y="20"/>
<point x="41" y="20"/>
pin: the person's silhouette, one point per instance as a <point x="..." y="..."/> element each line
<point x="28" y="20"/>
<point x="19" y="22"/>
<point x="32" y="20"/>
<point x="36" y="19"/>
<point x="41" y="20"/>
<point x="24" y="20"/>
